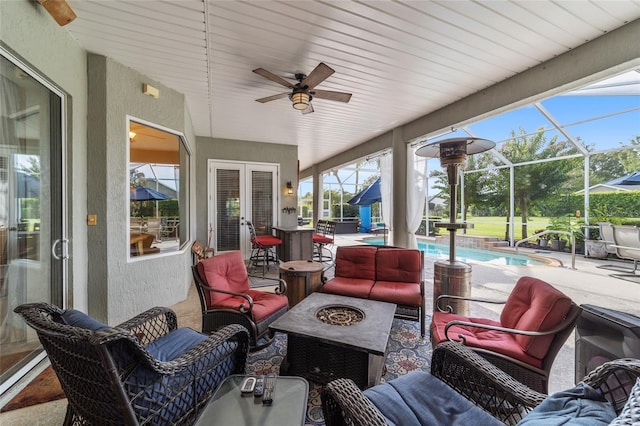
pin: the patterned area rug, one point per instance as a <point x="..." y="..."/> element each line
<point x="407" y="351"/>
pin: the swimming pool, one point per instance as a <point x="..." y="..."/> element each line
<point x="465" y="254"/>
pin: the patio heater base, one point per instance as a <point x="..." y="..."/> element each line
<point x="454" y="279"/>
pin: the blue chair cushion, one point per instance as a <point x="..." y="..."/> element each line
<point x="79" y="319"/>
<point x="173" y="396"/>
<point x="420" y="399"/>
<point x="175" y="343"/>
<point x="578" y="406"/>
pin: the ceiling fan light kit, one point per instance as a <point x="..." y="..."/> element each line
<point x="300" y="100"/>
<point x="303" y="92"/>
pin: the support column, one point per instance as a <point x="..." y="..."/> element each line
<point x="399" y="207"/>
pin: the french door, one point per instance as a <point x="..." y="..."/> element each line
<point x="240" y="191"/>
<point x="32" y="246"/>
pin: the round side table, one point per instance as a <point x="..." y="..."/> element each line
<point x="303" y="277"/>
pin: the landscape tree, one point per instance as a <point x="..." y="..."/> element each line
<point x="535" y="181"/>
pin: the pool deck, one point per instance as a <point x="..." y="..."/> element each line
<point x="586" y="284"/>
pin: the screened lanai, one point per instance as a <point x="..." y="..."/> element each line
<point x="548" y="156"/>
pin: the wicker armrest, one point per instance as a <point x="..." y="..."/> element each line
<point x="214" y="342"/>
<point x="614" y="380"/>
<point x="482" y="383"/>
<point x="151" y="324"/>
<point x="344" y="403"/>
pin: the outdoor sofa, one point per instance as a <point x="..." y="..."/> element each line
<point x="385" y="274"/>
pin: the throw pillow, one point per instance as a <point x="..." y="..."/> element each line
<point x="581" y="405"/>
<point x="630" y="414"/>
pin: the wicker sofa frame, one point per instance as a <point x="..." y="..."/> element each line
<point x="479" y="381"/>
<point x="100" y="376"/>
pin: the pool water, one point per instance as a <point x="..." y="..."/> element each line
<point x="464" y="254"/>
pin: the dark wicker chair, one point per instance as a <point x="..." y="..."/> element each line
<point x="480" y="382"/>
<point x="544" y="342"/>
<point x="323" y="237"/>
<point x="110" y="375"/>
<point x="226" y="298"/>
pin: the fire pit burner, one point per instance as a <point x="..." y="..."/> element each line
<point x="340" y="315"/>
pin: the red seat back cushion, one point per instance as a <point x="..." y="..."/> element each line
<point x="534" y="305"/>
<point x="224" y="271"/>
<point x="399" y="265"/>
<point x="356" y="262"/>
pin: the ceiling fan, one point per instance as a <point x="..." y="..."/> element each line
<point x="304" y="90"/>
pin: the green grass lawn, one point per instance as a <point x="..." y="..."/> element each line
<point x="496" y="226"/>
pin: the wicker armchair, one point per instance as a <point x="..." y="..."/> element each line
<point x="478" y="381"/>
<point x="144" y="371"/>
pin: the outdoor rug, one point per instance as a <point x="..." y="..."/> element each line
<point x="407" y="351"/>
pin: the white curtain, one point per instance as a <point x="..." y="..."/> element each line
<point x="416" y="181"/>
<point x="386" y="185"/>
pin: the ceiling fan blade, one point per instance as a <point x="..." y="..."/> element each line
<point x="317" y="76"/>
<point x="309" y="109"/>
<point x="332" y="96"/>
<point x="273" y="97"/>
<point x="271" y="76"/>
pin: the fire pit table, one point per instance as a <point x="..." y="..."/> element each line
<point x="331" y="336"/>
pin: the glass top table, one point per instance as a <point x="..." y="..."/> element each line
<point x="229" y="407"/>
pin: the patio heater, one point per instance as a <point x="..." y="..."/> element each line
<point x="453" y="277"/>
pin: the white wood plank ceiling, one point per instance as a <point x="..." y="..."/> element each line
<point x="400" y="59"/>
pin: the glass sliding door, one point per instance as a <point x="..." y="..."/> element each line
<point x="31" y="208"/>
<point x="241" y="192"/>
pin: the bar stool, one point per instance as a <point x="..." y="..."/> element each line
<point x="263" y="249"/>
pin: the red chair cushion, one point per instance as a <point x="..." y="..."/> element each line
<point x="397" y="292"/>
<point x="356" y="262"/>
<point x="267" y="240"/>
<point x="494" y="341"/>
<point x="534" y="305"/>
<point x="264" y="304"/>
<point x="398" y="264"/>
<point x="225" y="271"/>
<point x="321" y="239"/>
<point x="352" y="287"/>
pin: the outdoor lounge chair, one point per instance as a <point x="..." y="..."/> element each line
<point x="606" y="235"/>
<point x="534" y="323"/>
<point x="627" y="245"/>
<point x="465" y="389"/>
<point x="226" y="298"/>
<point x="143" y="371"/>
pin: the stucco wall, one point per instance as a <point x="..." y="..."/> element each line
<point x="121" y="287"/>
<point x="30" y="32"/>
<point x="225" y="149"/>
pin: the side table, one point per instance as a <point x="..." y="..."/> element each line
<point x="229" y="407"/>
<point x="303" y="277"/>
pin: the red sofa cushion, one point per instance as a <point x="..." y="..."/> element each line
<point x="352" y="287"/>
<point x="495" y="341"/>
<point x="225" y="271"/>
<point x="398" y="264"/>
<point x="397" y="292"/>
<point x="534" y="305"/>
<point x="356" y="262"/>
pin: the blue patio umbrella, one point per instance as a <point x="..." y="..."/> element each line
<point x="632" y="179"/>
<point x="367" y="196"/>
<point x="144" y="193"/>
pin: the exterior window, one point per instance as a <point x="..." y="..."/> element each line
<point x="158" y="190"/>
